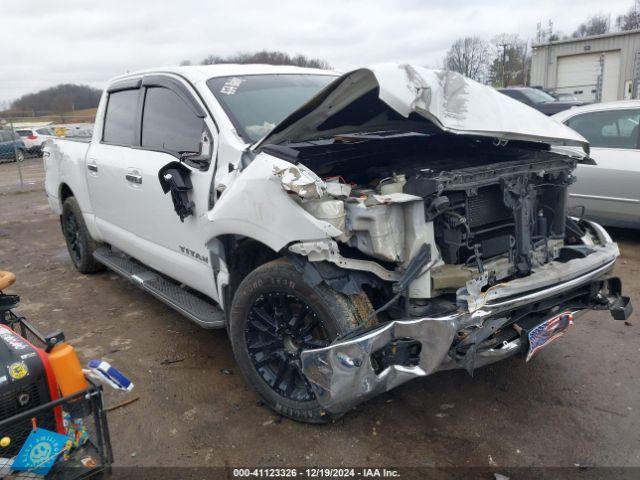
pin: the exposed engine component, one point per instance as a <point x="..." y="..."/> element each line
<point x="491" y="216"/>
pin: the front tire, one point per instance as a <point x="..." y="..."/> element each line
<point x="79" y="242"/>
<point x="274" y="315"/>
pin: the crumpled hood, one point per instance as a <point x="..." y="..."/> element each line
<point x="449" y="100"/>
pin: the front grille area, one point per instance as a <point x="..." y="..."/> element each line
<point x="479" y="223"/>
<point x="487" y="207"/>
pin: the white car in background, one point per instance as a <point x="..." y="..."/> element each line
<point x="34" y="137"/>
<point x="609" y="191"/>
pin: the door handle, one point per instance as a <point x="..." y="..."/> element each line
<point x="137" y="179"/>
<point x="92" y="167"/>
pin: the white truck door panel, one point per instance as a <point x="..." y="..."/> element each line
<point x="175" y="248"/>
<point x="111" y="193"/>
<point x="158" y="120"/>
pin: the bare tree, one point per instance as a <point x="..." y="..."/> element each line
<point x="212" y="60"/>
<point x="548" y="33"/>
<point x="594" y="25"/>
<point x="469" y="56"/>
<point x="512" y="63"/>
<point x="631" y="19"/>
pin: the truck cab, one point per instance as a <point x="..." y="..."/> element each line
<point x="147" y="121"/>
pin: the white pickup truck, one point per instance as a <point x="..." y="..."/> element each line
<point x="351" y="232"/>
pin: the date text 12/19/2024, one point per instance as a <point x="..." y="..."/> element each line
<point x="315" y="473"/>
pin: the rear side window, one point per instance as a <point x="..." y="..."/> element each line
<point x="44" y="131"/>
<point x="612" y="129"/>
<point x="5" y="136"/>
<point x="119" y="121"/>
<point x="512" y="94"/>
<point x="168" y="123"/>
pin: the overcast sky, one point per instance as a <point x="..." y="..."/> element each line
<point x="88" y="42"/>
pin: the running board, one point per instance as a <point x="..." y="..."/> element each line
<point x="205" y="314"/>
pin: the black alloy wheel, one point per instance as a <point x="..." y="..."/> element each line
<point x="71" y="230"/>
<point x="275" y="315"/>
<point x="80" y="244"/>
<point x="279" y="327"/>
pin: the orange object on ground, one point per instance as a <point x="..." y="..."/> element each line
<point x="6" y="279"/>
<point x="66" y="367"/>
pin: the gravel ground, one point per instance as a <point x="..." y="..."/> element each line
<point x="32" y="175"/>
<point x="578" y="403"/>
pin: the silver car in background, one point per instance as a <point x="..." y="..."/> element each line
<point x="608" y="192"/>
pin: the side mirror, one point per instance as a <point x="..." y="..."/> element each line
<point x="202" y="158"/>
<point x="175" y="178"/>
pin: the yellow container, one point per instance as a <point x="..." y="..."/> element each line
<point x="66" y="367"/>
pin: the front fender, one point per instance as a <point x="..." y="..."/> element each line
<point x="255" y="205"/>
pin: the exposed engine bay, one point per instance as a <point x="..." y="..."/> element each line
<point x="469" y="243"/>
<point x="487" y="210"/>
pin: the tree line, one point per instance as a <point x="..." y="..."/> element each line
<point x="268" y="57"/>
<point x="62" y="98"/>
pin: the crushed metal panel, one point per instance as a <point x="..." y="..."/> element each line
<point x="301" y="181"/>
<point x="257" y="206"/>
<point x="461" y="105"/>
<point x="449" y="100"/>
<point x="343" y="376"/>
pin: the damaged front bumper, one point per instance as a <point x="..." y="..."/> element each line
<point x="348" y="371"/>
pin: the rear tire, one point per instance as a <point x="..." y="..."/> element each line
<point x="274" y="315"/>
<point x="79" y="242"/>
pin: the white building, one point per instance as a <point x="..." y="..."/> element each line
<point x="600" y="68"/>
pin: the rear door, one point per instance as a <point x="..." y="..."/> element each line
<point x="109" y="158"/>
<point x="610" y="190"/>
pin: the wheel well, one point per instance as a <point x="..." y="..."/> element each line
<point x="243" y="255"/>
<point x="65" y="192"/>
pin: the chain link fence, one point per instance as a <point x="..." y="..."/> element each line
<point x="23" y="136"/>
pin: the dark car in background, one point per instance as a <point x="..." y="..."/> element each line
<point x="539" y="99"/>
<point x="12" y="147"/>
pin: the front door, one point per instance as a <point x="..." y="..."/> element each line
<point x="170" y="126"/>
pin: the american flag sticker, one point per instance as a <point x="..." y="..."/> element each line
<point x="548" y="331"/>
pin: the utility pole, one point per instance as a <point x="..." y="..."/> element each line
<point x="3" y="123"/>
<point x="504" y="59"/>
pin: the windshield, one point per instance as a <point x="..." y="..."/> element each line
<point x="537" y="96"/>
<point x="257" y="103"/>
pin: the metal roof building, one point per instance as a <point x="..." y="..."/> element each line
<point x="600" y="68"/>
